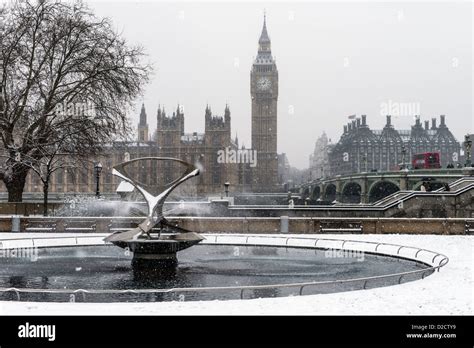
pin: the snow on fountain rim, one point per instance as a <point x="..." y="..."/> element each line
<point x="412" y="253"/>
<point x="443" y="293"/>
<point x="429" y="257"/>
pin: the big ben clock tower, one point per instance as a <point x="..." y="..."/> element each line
<point x="264" y="93"/>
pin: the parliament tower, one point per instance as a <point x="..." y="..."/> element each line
<point x="264" y="93"/>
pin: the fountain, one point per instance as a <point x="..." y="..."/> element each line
<point x="154" y="240"/>
<point x="89" y="267"/>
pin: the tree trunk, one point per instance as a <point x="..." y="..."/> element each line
<point x="45" y="198"/>
<point x="15" y="184"/>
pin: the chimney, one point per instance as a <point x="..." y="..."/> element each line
<point x="433" y="123"/>
<point x="389" y="120"/>
<point x="417" y="120"/>
<point x="364" y="122"/>
<point x="442" y="121"/>
<point x="358" y="123"/>
<point x="345" y="129"/>
<point x="427" y="125"/>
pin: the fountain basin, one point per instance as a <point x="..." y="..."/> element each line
<point x="221" y="267"/>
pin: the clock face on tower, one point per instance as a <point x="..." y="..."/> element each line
<point x="264" y="84"/>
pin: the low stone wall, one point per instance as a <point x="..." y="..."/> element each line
<point x="312" y="225"/>
<point x="262" y="225"/>
<point x="28" y="208"/>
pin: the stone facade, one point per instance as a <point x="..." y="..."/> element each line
<point x="169" y="140"/>
<point x="471" y="138"/>
<point x="319" y="159"/>
<point x="361" y="149"/>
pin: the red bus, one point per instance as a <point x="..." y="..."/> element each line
<point x="426" y="160"/>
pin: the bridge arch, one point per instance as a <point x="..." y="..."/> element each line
<point x="316" y="194"/>
<point x="382" y="189"/>
<point x="306" y="191"/>
<point x="330" y="193"/>
<point x="351" y="193"/>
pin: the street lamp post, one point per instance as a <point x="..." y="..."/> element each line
<point x="98" y="169"/>
<point x="364" y="158"/>
<point x="226" y="188"/>
<point x="467" y="146"/>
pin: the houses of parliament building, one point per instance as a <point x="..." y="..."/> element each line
<point x="202" y="149"/>
<point x="361" y="149"/>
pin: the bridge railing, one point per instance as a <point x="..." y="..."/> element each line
<point x="456" y="183"/>
<point x="448" y="173"/>
<point x="465" y="184"/>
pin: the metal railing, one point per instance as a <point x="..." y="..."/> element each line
<point x="252" y="240"/>
<point x="402" y="196"/>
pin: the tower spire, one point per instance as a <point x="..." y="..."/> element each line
<point x="143" y="115"/>
<point x="264" y="38"/>
<point x="208" y="111"/>
<point x="142" y="125"/>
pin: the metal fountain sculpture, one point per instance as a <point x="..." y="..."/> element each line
<point x="155" y="239"/>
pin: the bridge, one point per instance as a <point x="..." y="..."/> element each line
<point x="373" y="186"/>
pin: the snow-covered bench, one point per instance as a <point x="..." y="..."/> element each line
<point x="40" y="225"/>
<point x="117" y="226"/>
<point x="340" y="227"/>
<point x="80" y="226"/>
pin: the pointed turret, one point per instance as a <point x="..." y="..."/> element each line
<point x="143" y="126"/>
<point x="227" y="112"/>
<point x="208" y="112"/>
<point x="264" y="38"/>
<point x="264" y="43"/>
<point x="143" y="116"/>
<point x="158" y="117"/>
<point x="227" y="118"/>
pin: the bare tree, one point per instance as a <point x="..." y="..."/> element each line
<point x="68" y="80"/>
<point x="45" y="168"/>
<point x="68" y="153"/>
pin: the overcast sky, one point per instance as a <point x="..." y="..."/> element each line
<point x="334" y="59"/>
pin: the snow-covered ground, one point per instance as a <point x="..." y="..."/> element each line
<point x="448" y="292"/>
